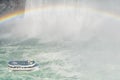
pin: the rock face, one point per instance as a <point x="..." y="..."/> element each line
<point x="10" y="6"/>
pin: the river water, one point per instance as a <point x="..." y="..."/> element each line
<point x="70" y="40"/>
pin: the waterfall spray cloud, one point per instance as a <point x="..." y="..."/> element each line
<point x="58" y="21"/>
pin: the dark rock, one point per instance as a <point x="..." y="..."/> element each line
<point x="11" y="6"/>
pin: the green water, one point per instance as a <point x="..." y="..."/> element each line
<point x="49" y="56"/>
<point x="57" y="60"/>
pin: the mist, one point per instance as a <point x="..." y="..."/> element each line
<point x="69" y="39"/>
<point x="69" y="21"/>
<point x="62" y="20"/>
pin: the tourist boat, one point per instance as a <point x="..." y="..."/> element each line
<point x="21" y="65"/>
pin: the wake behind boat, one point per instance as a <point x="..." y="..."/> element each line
<point x="21" y="65"/>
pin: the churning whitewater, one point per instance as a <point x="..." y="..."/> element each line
<point x="67" y="38"/>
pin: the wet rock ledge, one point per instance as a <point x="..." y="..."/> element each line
<point x="10" y="6"/>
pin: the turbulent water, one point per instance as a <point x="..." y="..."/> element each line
<point x="67" y="39"/>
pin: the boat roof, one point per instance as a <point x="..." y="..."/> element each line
<point x="24" y="63"/>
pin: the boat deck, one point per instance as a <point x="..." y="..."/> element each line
<point x="23" y="63"/>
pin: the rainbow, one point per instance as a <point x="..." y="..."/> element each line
<point x="21" y="12"/>
<point x="11" y="16"/>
